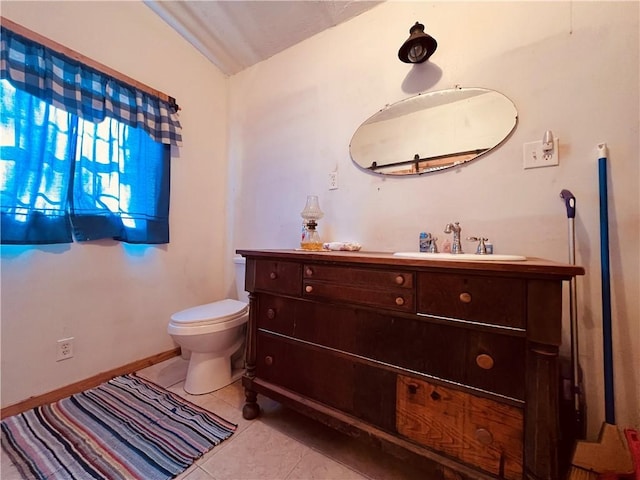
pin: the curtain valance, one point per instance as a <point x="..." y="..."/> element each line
<point x="83" y="91"/>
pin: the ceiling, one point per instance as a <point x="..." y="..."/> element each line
<point x="235" y="34"/>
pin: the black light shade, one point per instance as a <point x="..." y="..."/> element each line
<point x="418" y="47"/>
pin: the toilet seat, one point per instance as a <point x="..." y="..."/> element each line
<point x="210" y="313"/>
<point x="212" y="337"/>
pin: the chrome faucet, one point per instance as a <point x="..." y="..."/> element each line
<point x="454" y="228"/>
<point x="433" y="246"/>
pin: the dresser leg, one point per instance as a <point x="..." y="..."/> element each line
<point x="542" y="425"/>
<point x="251" y="408"/>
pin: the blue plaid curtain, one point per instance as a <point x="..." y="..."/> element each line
<point x="120" y="184"/>
<point x="68" y="84"/>
<point x="37" y="147"/>
<point x="76" y="171"/>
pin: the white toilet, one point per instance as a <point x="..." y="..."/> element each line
<point x="213" y="338"/>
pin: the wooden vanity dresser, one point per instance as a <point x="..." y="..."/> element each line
<point x="454" y="363"/>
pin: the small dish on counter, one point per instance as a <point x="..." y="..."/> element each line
<point x="342" y="246"/>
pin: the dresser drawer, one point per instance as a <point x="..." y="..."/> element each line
<point x="479" y="432"/>
<point x="365" y="392"/>
<point x="378" y="288"/>
<point x="495" y="363"/>
<point x="276" y="314"/>
<point x="483" y="299"/>
<point x="278" y="277"/>
<point x="489" y="361"/>
<point x="408" y="343"/>
<point x="370" y="278"/>
<point x="305" y="371"/>
<point x="393" y="299"/>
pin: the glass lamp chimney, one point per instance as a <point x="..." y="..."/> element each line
<point x="311" y="214"/>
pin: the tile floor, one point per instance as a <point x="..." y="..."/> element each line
<point x="279" y="445"/>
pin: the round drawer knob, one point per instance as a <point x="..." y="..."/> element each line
<point x="399" y="280"/>
<point x="273" y="275"/>
<point x="399" y="301"/>
<point x="308" y="289"/>
<point x="484" y="361"/>
<point x="435" y="396"/>
<point x="484" y="436"/>
<point x="271" y="314"/>
<point x="308" y="272"/>
<point x="465" y="297"/>
<point x="268" y="360"/>
<point x="413" y="388"/>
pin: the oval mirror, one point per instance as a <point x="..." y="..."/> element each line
<point x="433" y="131"/>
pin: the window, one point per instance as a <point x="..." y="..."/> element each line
<point x="83" y="155"/>
<point x="120" y="184"/>
<point x="61" y="174"/>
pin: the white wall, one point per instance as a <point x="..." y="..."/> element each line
<point x="115" y="299"/>
<point x="569" y="67"/>
<point x="291" y="119"/>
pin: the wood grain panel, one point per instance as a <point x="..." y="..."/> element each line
<point x="478" y="431"/>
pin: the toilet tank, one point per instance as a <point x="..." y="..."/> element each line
<point x="240" y="263"/>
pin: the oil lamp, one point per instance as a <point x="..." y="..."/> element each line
<point x="311" y="214"/>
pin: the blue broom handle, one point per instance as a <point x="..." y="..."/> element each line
<point x="607" y="341"/>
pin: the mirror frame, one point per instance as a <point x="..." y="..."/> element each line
<point x="444" y="160"/>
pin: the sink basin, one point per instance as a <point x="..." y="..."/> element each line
<point x="461" y="257"/>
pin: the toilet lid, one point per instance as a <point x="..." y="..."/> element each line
<point x="215" y="312"/>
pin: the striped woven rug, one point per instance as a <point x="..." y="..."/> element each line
<point x="126" y="428"/>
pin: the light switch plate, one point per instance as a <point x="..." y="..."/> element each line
<point x="333" y="180"/>
<point x="534" y="157"/>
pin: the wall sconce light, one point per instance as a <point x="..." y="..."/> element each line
<point x="418" y="47"/>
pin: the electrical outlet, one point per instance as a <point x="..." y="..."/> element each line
<point x="534" y="156"/>
<point x="65" y="349"/>
<point x="333" y="180"/>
